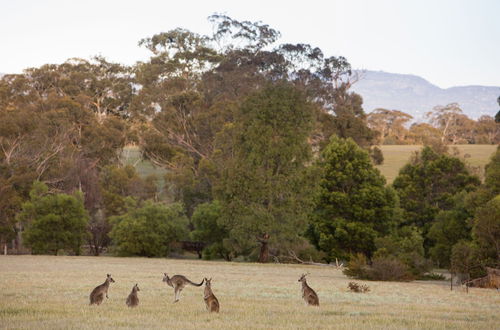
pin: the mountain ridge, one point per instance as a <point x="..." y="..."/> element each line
<point x="415" y="95"/>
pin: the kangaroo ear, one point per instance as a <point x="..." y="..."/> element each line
<point x="109" y="275"/>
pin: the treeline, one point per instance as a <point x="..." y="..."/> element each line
<point x="447" y="125"/>
<point x="268" y="155"/>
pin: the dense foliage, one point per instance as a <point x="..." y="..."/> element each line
<point x="428" y="185"/>
<point x="53" y="222"/>
<point x="149" y="230"/>
<point x="266" y="153"/>
<point x="352" y="207"/>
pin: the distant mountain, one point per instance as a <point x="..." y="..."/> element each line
<point x="416" y="96"/>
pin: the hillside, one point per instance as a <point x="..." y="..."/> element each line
<point x="415" y="95"/>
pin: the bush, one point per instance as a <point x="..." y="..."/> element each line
<point x="149" y="231"/>
<point x="377" y="156"/>
<point x="381" y="269"/>
<point x="208" y="229"/>
<point x="357" y="267"/>
<point x="308" y="252"/>
<point x="406" y="245"/>
<point x="356" y="287"/>
<point x="53" y="221"/>
<point x="389" y="269"/>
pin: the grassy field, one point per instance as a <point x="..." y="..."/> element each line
<point x="396" y="156"/>
<point x="46" y="292"/>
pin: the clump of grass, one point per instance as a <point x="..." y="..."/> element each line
<point x="356" y="287"/>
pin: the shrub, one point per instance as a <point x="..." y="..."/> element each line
<point x="406" y="245"/>
<point x="381" y="269"/>
<point x="377" y="156"/>
<point x="149" y="231"/>
<point x="208" y="229"/>
<point x="356" y="287"/>
<point x="389" y="269"/>
<point x="357" y="267"/>
<point x="53" y="221"/>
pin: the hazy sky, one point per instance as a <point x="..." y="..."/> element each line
<point x="448" y="42"/>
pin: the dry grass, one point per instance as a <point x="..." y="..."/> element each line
<point x="46" y="292"/>
<point x="396" y="156"/>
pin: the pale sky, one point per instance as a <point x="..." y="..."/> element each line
<point x="447" y="42"/>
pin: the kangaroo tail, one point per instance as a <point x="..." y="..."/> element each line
<point x="195" y="284"/>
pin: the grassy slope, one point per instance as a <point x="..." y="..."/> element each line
<point x="47" y="292"/>
<point x="396" y="156"/>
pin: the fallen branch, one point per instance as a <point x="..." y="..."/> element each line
<point x="294" y="256"/>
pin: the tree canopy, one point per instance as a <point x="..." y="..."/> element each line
<point x="352" y="206"/>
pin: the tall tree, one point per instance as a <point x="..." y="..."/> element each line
<point x="352" y="207"/>
<point x="428" y="185"/>
<point x="450" y="120"/>
<point x="264" y="189"/>
<point x="389" y="124"/>
<point x="486" y="131"/>
<point x="193" y="85"/>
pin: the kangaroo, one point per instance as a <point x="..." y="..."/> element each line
<point x="133" y="299"/>
<point x="178" y="282"/>
<point x="97" y="295"/>
<point x="209" y="297"/>
<point x="308" y="294"/>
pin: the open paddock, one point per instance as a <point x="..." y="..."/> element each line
<point x="47" y="292"/>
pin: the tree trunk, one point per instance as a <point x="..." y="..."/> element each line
<point x="264" y="248"/>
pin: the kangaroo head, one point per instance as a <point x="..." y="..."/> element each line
<point x="303" y="277"/>
<point x="166" y="278"/>
<point x="136" y="287"/>
<point x="208" y="282"/>
<point x="109" y="278"/>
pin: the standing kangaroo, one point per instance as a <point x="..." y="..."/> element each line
<point x="308" y="294"/>
<point x="133" y="299"/>
<point x="97" y="295"/>
<point x="178" y="282"/>
<point x="209" y="297"/>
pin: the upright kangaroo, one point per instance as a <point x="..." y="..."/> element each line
<point x="133" y="299"/>
<point x="178" y="282"/>
<point x="209" y="297"/>
<point x="97" y="295"/>
<point x="308" y="294"/>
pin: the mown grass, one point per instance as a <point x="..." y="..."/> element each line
<point x="46" y="292"/>
<point x="396" y="156"/>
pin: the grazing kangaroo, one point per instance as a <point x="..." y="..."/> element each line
<point x="97" y="295"/>
<point x="133" y="299"/>
<point x="178" y="282"/>
<point x="209" y="297"/>
<point x="308" y="294"/>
